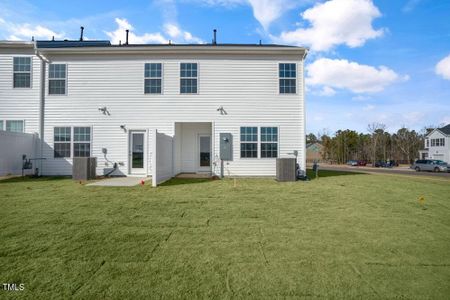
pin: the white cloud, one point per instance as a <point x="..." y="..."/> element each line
<point x="343" y="74"/>
<point x="25" y="31"/>
<point x="443" y="68"/>
<point x="368" y="107"/>
<point x="119" y="34"/>
<point x="264" y="11"/>
<point x="410" y="5"/>
<point x="171" y="32"/>
<point x="327" y="92"/>
<point x="267" y="11"/>
<point x="334" y="23"/>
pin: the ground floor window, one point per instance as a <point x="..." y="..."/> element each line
<point x="249" y="142"/>
<point x="13" y="125"/>
<point x="72" y="140"/>
<point x="269" y="142"/>
<point x="264" y="140"/>
<point x="1" y="125"/>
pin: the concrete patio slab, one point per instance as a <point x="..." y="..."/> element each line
<point x="120" y="181"/>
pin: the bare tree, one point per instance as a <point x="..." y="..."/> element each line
<point x="376" y="130"/>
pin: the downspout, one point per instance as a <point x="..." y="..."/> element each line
<point x="44" y="61"/>
<point x="304" y="113"/>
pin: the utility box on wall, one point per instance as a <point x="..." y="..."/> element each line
<point x="226" y="146"/>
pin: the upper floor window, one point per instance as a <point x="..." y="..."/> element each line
<point x="249" y="142"/>
<point x="153" y="78"/>
<point x="22" y="72"/>
<point x="438" y="142"/>
<point x="288" y="78"/>
<point x="188" y="78"/>
<point x="57" y="77"/>
<point x="14" y="125"/>
<point x="269" y="142"/>
<point x="428" y="143"/>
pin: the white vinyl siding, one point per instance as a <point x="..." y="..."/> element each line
<point x="57" y="79"/>
<point x="245" y="85"/>
<point x="22" y="72"/>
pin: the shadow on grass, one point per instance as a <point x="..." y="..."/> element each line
<point x="33" y="179"/>
<point x="180" y="181"/>
<point x="329" y="173"/>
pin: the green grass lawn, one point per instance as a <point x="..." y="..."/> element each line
<point x="341" y="236"/>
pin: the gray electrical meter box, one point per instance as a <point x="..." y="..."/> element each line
<point x="226" y="146"/>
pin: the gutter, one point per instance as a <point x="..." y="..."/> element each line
<point x="44" y="61"/>
<point x="177" y="50"/>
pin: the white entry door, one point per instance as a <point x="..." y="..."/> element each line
<point x="204" y="153"/>
<point x="137" y="152"/>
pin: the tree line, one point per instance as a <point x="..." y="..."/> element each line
<point x="377" y="144"/>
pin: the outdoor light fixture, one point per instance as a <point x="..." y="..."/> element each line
<point x="123" y="127"/>
<point x="104" y="110"/>
<point x="222" y="110"/>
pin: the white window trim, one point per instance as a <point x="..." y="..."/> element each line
<point x="8" y="119"/>
<point x="48" y="81"/>
<point x="296" y="78"/>
<point x="257" y="143"/>
<point x="31" y="72"/>
<point x="72" y="141"/>
<point x="162" y="77"/>
<point x="198" y="77"/>
<point x="277" y="142"/>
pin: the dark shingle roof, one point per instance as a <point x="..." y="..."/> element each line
<point x="69" y="44"/>
<point x="445" y="129"/>
<point x="104" y="43"/>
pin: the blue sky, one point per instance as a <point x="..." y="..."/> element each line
<point x="370" y="61"/>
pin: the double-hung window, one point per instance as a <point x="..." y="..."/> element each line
<point x="14" y="125"/>
<point x="81" y="141"/>
<point x="22" y="72"/>
<point x="61" y="141"/>
<point x="57" y="76"/>
<point x="249" y="142"/>
<point x="288" y="78"/>
<point x="153" y="78"/>
<point x="72" y="140"/>
<point x="188" y="78"/>
<point x="269" y="142"/>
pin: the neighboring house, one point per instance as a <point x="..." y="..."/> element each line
<point x="314" y="152"/>
<point x="437" y="145"/>
<point x="19" y="87"/>
<point x="105" y="100"/>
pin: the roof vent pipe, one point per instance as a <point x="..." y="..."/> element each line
<point x="126" y="39"/>
<point x="215" y="37"/>
<point x="81" y="34"/>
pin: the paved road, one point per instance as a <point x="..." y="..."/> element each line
<point x="397" y="170"/>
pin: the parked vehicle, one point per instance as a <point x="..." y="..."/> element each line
<point x="353" y="163"/>
<point x="430" y="165"/>
<point x="362" y="163"/>
<point x="386" y="164"/>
